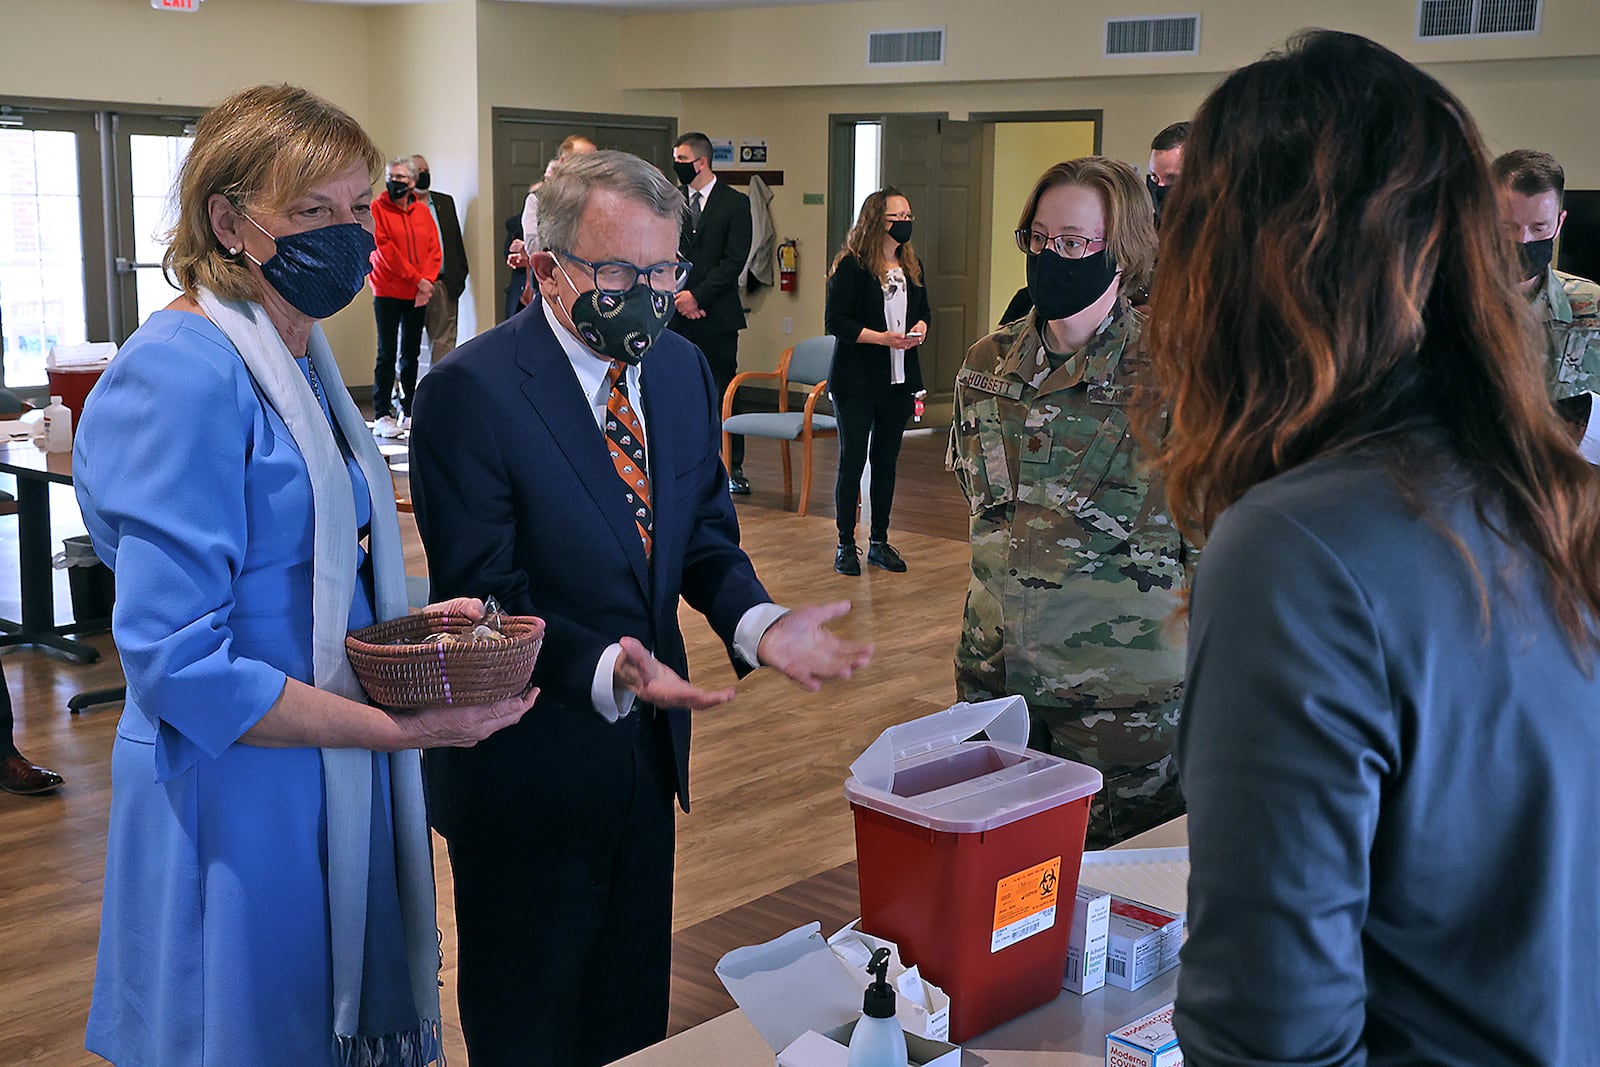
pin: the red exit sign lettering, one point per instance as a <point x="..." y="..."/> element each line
<point x="175" y="5"/>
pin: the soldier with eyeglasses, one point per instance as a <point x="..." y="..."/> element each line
<point x="1076" y="566"/>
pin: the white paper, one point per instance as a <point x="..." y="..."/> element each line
<point x="1589" y="447"/>
<point x="789" y="985"/>
<point x="1158" y="877"/>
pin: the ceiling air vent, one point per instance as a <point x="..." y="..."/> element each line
<point x="1477" y="18"/>
<point x="1163" y="35"/>
<point x="905" y="48"/>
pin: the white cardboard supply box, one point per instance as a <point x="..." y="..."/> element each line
<point x="1087" y="941"/>
<point x="803" y="995"/>
<point x="1147" y="1042"/>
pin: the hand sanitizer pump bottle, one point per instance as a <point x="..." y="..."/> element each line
<point x="878" y="1040"/>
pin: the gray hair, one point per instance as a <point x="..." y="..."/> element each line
<point x="407" y="162"/>
<point x="565" y="194"/>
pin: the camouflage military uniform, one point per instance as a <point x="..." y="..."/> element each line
<point x="1076" y="565"/>
<point x="1569" y="306"/>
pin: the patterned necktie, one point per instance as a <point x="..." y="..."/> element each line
<point x="694" y="211"/>
<point x="625" y="439"/>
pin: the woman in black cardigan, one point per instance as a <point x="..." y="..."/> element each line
<point x="878" y="309"/>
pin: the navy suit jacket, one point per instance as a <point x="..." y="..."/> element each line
<point x="516" y="496"/>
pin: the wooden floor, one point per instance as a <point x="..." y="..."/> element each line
<point x="765" y="848"/>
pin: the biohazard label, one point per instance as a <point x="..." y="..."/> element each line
<point x="1025" y="904"/>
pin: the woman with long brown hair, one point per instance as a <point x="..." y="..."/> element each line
<point x="1392" y="718"/>
<point x="877" y="308"/>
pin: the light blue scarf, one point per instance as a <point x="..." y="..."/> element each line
<point x="347" y="773"/>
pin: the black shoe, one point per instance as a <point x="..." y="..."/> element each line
<point x="882" y="554"/>
<point x="738" y="484"/>
<point x="848" y="560"/>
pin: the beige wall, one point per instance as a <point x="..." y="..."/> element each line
<point x="533" y="56"/>
<point x="420" y="105"/>
<point x="1022" y="152"/>
<point x="1026" y="39"/>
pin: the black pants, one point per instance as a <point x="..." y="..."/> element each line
<point x="722" y="353"/>
<point x="402" y="317"/>
<point x="870" y="428"/>
<point x="8" y="746"/>
<point x="565" y="925"/>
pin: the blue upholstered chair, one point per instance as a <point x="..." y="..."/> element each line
<point x="804" y="367"/>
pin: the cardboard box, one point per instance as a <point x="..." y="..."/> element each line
<point x="799" y="989"/>
<point x="1142" y="942"/>
<point x="1147" y="1042"/>
<point x="1086" y="945"/>
<point x="832" y="1049"/>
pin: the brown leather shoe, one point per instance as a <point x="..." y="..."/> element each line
<point x="19" y="776"/>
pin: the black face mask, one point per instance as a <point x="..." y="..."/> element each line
<point x="1158" y="193"/>
<point x="1536" y="256"/>
<point x="684" y="171"/>
<point x="424" y="179"/>
<point x="900" y="231"/>
<point x="397" y="189"/>
<point x="1061" y="288"/>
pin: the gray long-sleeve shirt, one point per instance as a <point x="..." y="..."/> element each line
<point x="1393" y="810"/>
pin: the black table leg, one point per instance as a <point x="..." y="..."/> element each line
<point x="38" y="586"/>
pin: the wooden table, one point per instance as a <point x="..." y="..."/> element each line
<point x="35" y="471"/>
<point x="1070" y="1031"/>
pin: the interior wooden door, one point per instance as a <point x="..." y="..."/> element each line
<point x="938" y="164"/>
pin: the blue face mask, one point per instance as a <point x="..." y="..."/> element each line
<point x="319" y="271"/>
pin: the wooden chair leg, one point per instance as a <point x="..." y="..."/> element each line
<point x="727" y="452"/>
<point x="805" y="474"/>
<point x="788" y="476"/>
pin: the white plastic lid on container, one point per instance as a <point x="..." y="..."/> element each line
<point x="926" y="772"/>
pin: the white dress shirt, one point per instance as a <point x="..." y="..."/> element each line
<point x="704" y="194"/>
<point x="610" y="699"/>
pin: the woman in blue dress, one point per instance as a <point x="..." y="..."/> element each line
<point x="269" y="888"/>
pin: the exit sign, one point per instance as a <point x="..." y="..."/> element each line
<point x="175" y="5"/>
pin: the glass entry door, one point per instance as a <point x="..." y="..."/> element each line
<point x="84" y="205"/>
<point x="147" y="152"/>
<point x="52" y="239"/>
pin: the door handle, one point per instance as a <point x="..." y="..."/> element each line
<point x="128" y="266"/>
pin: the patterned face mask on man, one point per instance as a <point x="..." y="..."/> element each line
<point x="619" y="325"/>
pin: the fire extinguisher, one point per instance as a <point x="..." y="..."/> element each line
<point x="788" y="266"/>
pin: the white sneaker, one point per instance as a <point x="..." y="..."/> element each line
<point x="386" y="427"/>
<point x="405" y="423"/>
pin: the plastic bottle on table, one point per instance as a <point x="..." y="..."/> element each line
<point x="57" y="426"/>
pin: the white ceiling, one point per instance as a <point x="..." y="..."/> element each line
<point x="611" y="5"/>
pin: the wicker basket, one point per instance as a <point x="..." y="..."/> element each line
<point x="398" y="673"/>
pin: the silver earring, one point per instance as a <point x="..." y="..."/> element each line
<point x="233" y="251"/>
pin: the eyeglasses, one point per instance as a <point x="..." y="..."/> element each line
<point x="616" y="277"/>
<point x="904" y="216"/>
<point x="1065" y="245"/>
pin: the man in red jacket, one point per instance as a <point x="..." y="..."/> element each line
<point x="404" y="266"/>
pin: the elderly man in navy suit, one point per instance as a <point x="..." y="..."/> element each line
<point x="566" y="462"/>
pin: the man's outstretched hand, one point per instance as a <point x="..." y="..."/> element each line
<point x="801" y="646"/>
<point x="656" y="683"/>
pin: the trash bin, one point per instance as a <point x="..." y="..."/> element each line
<point x="93" y="586"/>
<point x="964" y="849"/>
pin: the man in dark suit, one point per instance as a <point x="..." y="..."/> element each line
<point x="717" y="242"/>
<point x="452" y="282"/>
<point x="566" y="462"/>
